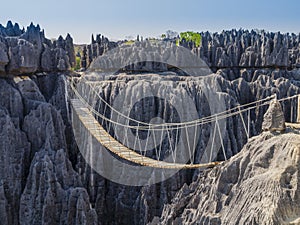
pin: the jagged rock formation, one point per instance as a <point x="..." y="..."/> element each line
<point x="38" y="182"/>
<point x="36" y="112"/>
<point x="236" y="91"/>
<point x="274" y="118"/>
<point x="148" y="56"/>
<point x="44" y="179"/>
<point x="260" y="185"/>
<point x="98" y="47"/>
<point x="28" y="51"/>
<point x="53" y="193"/>
<point x="234" y="51"/>
<point x="250" y="49"/>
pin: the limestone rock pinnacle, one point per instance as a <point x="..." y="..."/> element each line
<point x="274" y="117"/>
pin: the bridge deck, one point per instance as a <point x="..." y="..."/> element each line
<point x="117" y="148"/>
<point x="293" y="125"/>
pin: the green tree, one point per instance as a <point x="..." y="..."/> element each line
<point x="191" y="36"/>
<point x="77" y="65"/>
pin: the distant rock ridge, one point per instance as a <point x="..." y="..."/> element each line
<point x="98" y="47"/>
<point x="232" y="49"/>
<point x="29" y="51"/>
<point x="250" y="49"/>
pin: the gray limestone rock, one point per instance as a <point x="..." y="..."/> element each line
<point x="44" y="127"/>
<point x="14" y="161"/>
<point x="61" y="60"/>
<point x="234" y="139"/>
<point x="69" y="47"/>
<point x="61" y="66"/>
<point x="147" y="56"/>
<point x="11" y="29"/>
<point x="47" y="59"/>
<point x="229" y="49"/>
<point x="11" y="100"/>
<point x="30" y="92"/>
<point x="53" y="193"/>
<point x="250" y="49"/>
<point x="3" y="57"/>
<point x="28" y="51"/>
<point x="45" y="180"/>
<point x="257" y="186"/>
<point x="52" y="151"/>
<point x="3" y="206"/>
<point x="23" y="56"/>
<point x="274" y="117"/>
<point x="29" y="166"/>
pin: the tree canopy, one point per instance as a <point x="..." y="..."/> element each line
<point x="191" y="36"/>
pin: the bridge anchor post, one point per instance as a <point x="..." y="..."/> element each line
<point x="298" y="109"/>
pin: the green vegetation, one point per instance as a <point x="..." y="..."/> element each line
<point x="130" y="42"/>
<point x="77" y="65"/>
<point x="190" y="36"/>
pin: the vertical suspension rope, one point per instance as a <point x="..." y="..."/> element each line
<point x="175" y="144"/>
<point x="188" y="142"/>
<point x="249" y="121"/>
<point x="244" y="125"/>
<point x="292" y="110"/>
<point x="221" y="139"/>
<point x="136" y="134"/>
<point x="161" y="140"/>
<point x="298" y="109"/>
<point x="91" y="100"/>
<point x="126" y="135"/>
<point x="170" y="142"/>
<point x="195" y="144"/>
<point x="139" y="140"/>
<point x="115" y="126"/>
<point x="155" y="145"/>
<point x="213" y="142"/>
<point x="148" y="136"/>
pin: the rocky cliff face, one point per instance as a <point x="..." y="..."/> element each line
<point x="28" y="51"/>
<point x="98" y="47"/>
<point x="260" y="185"/>
<point x="234" y="50"/>
<point x="45" y="180"/>
<point x="250" y="49"/>
<point x="50" y="181"/>
<point x="38" y="182"/>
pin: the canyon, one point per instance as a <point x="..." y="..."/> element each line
<point x="45" y="180"/>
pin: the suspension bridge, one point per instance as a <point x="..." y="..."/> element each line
<point x="113" y="130"/>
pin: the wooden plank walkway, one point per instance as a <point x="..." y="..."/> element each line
<point x="117" y="148"/>
<point x="293" y="125"/>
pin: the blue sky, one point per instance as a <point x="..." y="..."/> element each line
<point x="117" y="19"/>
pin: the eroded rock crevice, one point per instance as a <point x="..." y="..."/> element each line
<point x="44" y="178"/>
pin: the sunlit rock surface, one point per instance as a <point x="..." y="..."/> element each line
<point x="28" y="51"/>
<point x="44" y="179"/>
<point x="260" y="185"/>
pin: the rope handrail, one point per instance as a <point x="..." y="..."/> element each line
<point x="124" y="152"/>
<point x="175" y="124"/>
<point x="203" y="120"/>
<point x="172" y="126"/>
<point x="88" y="111"/>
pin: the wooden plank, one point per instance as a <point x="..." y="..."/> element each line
<point x="117" y="148"/>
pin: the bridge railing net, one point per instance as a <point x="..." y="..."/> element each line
<point x="173" y="142"/>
